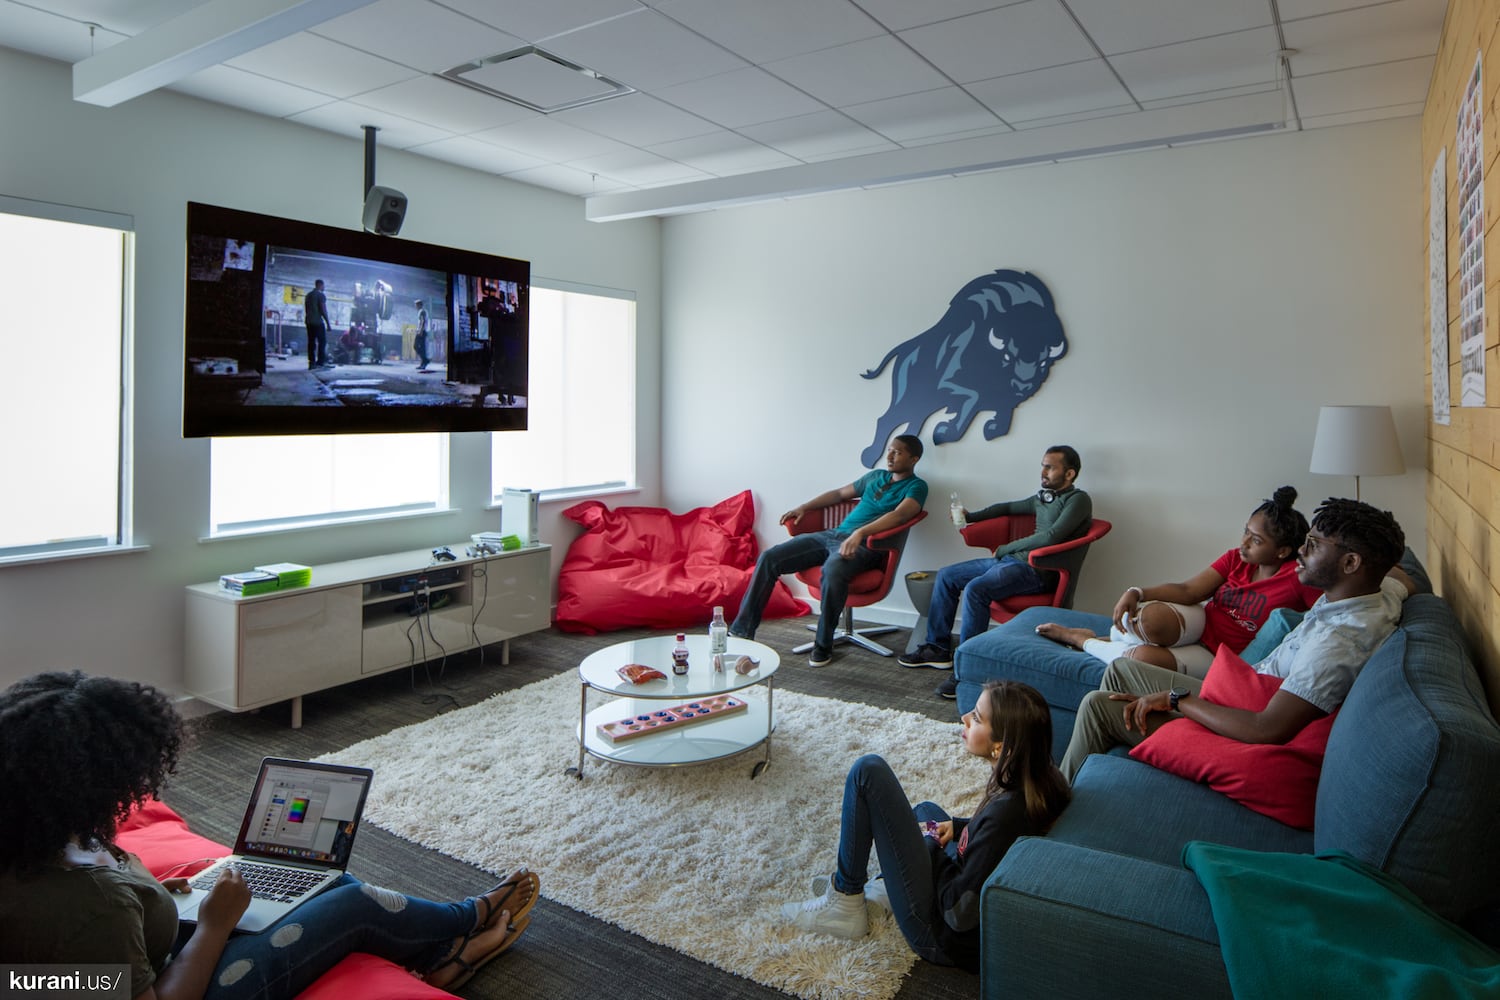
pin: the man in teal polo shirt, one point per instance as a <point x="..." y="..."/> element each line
<point x="888" y="498"/>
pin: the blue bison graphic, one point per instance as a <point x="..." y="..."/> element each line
<point x="991" y="350"/>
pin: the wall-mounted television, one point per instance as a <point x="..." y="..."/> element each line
<point x="298" y="328"/>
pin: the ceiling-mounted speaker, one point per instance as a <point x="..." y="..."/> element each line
<point x="385" y="209"/>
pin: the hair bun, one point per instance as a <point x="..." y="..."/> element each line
<point x="1284" y="496"/>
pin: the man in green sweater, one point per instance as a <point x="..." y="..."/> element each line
<point x="1063" y="512"/>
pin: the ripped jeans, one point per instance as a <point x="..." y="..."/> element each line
<point x="285" y="958"/>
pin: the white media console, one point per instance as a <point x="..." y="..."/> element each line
<point x="356" y="619"/>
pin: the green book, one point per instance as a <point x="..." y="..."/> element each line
<point x="288" y="574"/>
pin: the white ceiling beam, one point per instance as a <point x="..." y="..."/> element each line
<point x="207" y="35"/>
<point x="1242" y="115"/>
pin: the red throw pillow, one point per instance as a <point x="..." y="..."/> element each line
<point x="647" y="566"/>
<point x="1280" y="781"/>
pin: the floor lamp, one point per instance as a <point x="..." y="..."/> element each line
<point x="1356" y="441"/>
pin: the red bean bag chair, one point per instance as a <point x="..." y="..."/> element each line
<point x="645" y="566"/>
<point x="161" y="839"/>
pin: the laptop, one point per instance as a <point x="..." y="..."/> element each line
<point x="294" y="842"/>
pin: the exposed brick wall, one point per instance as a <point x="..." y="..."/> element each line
<point x="1463" y="484"/>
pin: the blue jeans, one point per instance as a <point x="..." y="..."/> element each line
<point x="979" y="581"/>
<point x="285" y="958"/>
<point x="804" y="552"/>
<point x="877" y="813"/>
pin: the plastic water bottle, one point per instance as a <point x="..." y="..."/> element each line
<point x="718" y="633"/>
<point x="956" y="510"/>
<point x="680" y="655"/>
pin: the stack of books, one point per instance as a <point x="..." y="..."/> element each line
<point x="249" y="584"/>
<point x="263" y="579"/>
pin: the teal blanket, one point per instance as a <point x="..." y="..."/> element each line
<point x="1330" y="926"/>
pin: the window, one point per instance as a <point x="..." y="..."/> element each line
<point x="65" y="282"/>
<point x="261" y="483"/>
<point x="580" y="432"/>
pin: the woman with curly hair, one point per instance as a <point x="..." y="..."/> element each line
<point x="77" y="753"/>
<point x="1167" y="626"/>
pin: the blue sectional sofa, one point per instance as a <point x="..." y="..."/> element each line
<point x="1102" y="906"/>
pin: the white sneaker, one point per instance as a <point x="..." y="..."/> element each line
<point x="832" y="913"/>
<point x="874" y="891"/>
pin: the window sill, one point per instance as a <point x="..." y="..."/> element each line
<point x="63" y="555"/>
<point x="580" y="493"/>
<point x="323" y="524"/>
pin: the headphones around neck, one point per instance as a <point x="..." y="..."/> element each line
<point x="1045" y="495"/>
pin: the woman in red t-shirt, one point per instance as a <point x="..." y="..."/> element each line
<point x="1180" y="626"/>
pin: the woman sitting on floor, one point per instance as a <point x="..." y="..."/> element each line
<point x="933" y="868"/>
<point x="1167" y="627"/>
<point x="76" y="754"/>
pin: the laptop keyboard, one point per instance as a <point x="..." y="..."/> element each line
<point x="272" y="882"/>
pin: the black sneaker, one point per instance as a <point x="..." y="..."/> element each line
<point x="819" y="657"/>
<point x="948" y="689"/>
<point x="927" y="655"/>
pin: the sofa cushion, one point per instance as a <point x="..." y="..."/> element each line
<point x="1126" y="807"/>
<point x="1279" y="780"/>
<point x="369" y="978"/>
<point x="1276" y="627"/>
<point x="1416" y="737"/>
<point x="647" y="566"/>
<point x="156" y="834"/>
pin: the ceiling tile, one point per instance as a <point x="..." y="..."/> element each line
<point x="1077" y="116"/>
<point x="1047" y="93"/>
<point x="547" y="139"/>
<point x="817" y="135"/>
<point x="1014" y="39"/>
<point x="470" y="152"/>
<point x="860" y="71"/>
<point x="1143" y="24"/>
<point x="417" y="33"/>
<point x="766" y="30"/>
<point x="897" y="15"/>
<point x="237" y="88"/>
<point x="741" y="97"/>
<point x="535" y="78"/>
<point x="569" y="180"/>
<point x="1368" y="115"/>
<point x="1235" y="60"/>
<point x="1405" y="29"/>
<point x="1360" y="89"/>
<point x="51" y="35"/>
<point x="535" y="20"/>
<point x="636" y="119"/>
<point x="644" y="50"/>
<point x="724" y="154"/>
<point x="349" y="119"/>
<point x="306" y="60"/>
<point x="1293" y="9"/>
<point x="640" y="168"/>
<point x="919" y="116"/>
<point x="1212" y="95"/>
<point x="126" y="18"/>
<point x="937" y="140"/>
<point x="444" y="104"/>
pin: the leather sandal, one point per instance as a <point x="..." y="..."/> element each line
<point x="467" y="969"/>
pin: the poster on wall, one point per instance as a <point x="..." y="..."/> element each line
<point x="1470" y="167"/>
<point x="1437" y="284"/>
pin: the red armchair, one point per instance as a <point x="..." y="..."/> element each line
<point x="869" y="587"/>
<point x="1059" y="563"/>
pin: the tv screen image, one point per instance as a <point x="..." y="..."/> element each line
<point x="298" y="328"/>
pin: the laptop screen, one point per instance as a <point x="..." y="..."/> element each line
<point x="304" y="812"/>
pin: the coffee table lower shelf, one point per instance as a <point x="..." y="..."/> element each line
<point x="698" y="743"/>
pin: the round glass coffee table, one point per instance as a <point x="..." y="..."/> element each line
<point x="713" y="718"/>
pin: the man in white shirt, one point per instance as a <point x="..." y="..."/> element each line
<point x="1351" y="555"/>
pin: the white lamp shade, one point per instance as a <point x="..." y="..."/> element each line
<point x="1356" y="441"/>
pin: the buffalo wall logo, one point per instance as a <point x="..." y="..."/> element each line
<point x="991" y="350"/>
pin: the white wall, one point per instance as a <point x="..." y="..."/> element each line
<point x="1213" y="297"/>
<point x="147" y="158"/>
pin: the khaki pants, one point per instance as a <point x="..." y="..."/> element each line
<point x="1101" y="722"/>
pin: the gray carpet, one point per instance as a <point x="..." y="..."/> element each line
<point x="565" y="954"/>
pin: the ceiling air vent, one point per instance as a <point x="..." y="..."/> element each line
<point x="536" y="79"/>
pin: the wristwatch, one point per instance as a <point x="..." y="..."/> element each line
<point x="1176" y="695"/>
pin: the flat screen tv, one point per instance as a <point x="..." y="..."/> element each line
<point x="298" y="328"/>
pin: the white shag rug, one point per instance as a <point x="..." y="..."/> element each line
<point x="698" y="858"/>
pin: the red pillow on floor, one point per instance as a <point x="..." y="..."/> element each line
<point x="1280" y="781"/>
<point x="162" y="840"/>
<point x="645" y="566"/>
